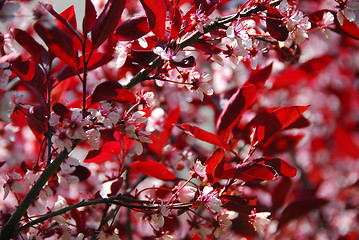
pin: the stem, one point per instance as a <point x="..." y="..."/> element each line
<point x="9" y="229"/>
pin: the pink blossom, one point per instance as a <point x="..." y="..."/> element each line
<point x="259" y="221"/>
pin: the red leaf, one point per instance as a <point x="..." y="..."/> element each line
<point x="70" y="16"/>
<point x="107" y="21"/>
<point x="89" y="21"/>
<point x="159" y="142"/>
<point x="32" y="76"/>
<point x="214" y="168"/>
<point x="97" y="60"/>
<point x="280" y="192"/>
<point x="259" y="77"/>
<point x="300" y="207"/>
<point x="251" y="171"/>
<point x="108" y="150"/>
<point x="35" y="117"/>
<point x="156" y="16"/>
<point x="154" y="169"/>
<point x="38" y="52"/>
<point x="234" y="109"/>
<point x="81" y="172"/>
<point x="266" y="124"/>
<point x="176" y="21"/>
<point x="61" y="110"/>
<point x="112" y="91"/>
<point x="345" y="142"/>
<point x="132" y="29"/>
<point x="59" y="43"/>
<point x="275" y="26"/>
<point x="67" y="18"/>
<point x="205" y="136"/>
<point x="282" y="167"/>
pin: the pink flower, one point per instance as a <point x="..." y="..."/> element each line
<point x="210" y="200"/>
<point x="347" y="10"/>
<point x="13" y="184"/>
<point x="259" y="221"/>
<point x="187" y="194"/>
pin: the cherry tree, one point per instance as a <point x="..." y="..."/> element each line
<point x="179" y="119"/>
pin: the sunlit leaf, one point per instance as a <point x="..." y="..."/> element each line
<point x="154" y="169"/>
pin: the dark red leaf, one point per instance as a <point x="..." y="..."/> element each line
<point x="35" y="117"/>
<point x="89" y="21"/>
<point x="132" y="29"/>
<point x="112" y="91"/>
<point x="186" y="62"/>
<point x="251" y="171"/>
<point x="32" y="76"/>
<point x="97" y="60"/>
<point x="59" y="43"/>
<point x="156" y="16"/>
<point x="61" y="110"/>
<point x="214" y="168"/>
<point x="266" y="124"/>
<point x="275" y="25"/>
<point x="280" y="192"/>
<point x="176" y="21"/>
<point x="281" y="143"/>
<point x="300" y="207"/>
<point x="107" y="21"/>
<point x="38" y="52"/>
<point x="115" y="187"/>
<point x="205" y="136"/>
<point x="206" y="47"/>
<point x="108" y="150"/>
<point x="282" y="167"/>
<point x="258" y="77"/>
<point x="232" y="112"/>
<point x="154" y="169"/>
<point x="81" y="172"/>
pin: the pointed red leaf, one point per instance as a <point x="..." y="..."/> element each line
<point x="156" y="16"/>
<point x="59" y="43"/>
<point x="132" y="29"/>
<point x="232" y="112"/>
<point x="32" y="76"/>
<point x="107" y="21"/>
<point x="70" y="16"/>
<point x="154" y="169"/>
<point x="66" y="21"/>
<point x="300" y="207"/>
<point x="97" y="60"/>
<point x="214" y="165"/>
<point x="89" y="21"/>
<point x="258" y="77"/>
<point x="282" y="167"/>
<point x="205" y="136"/>
<point x="275" y="25"/>
<point x="251" y="171"/>
<point x="61" y="110"/>
<point x="266" y="124"/>
<point x="108" y="150"/>
<point x="38" y="52"/>
<point x="112" y="91"/>
<point x="176" y="21"/>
